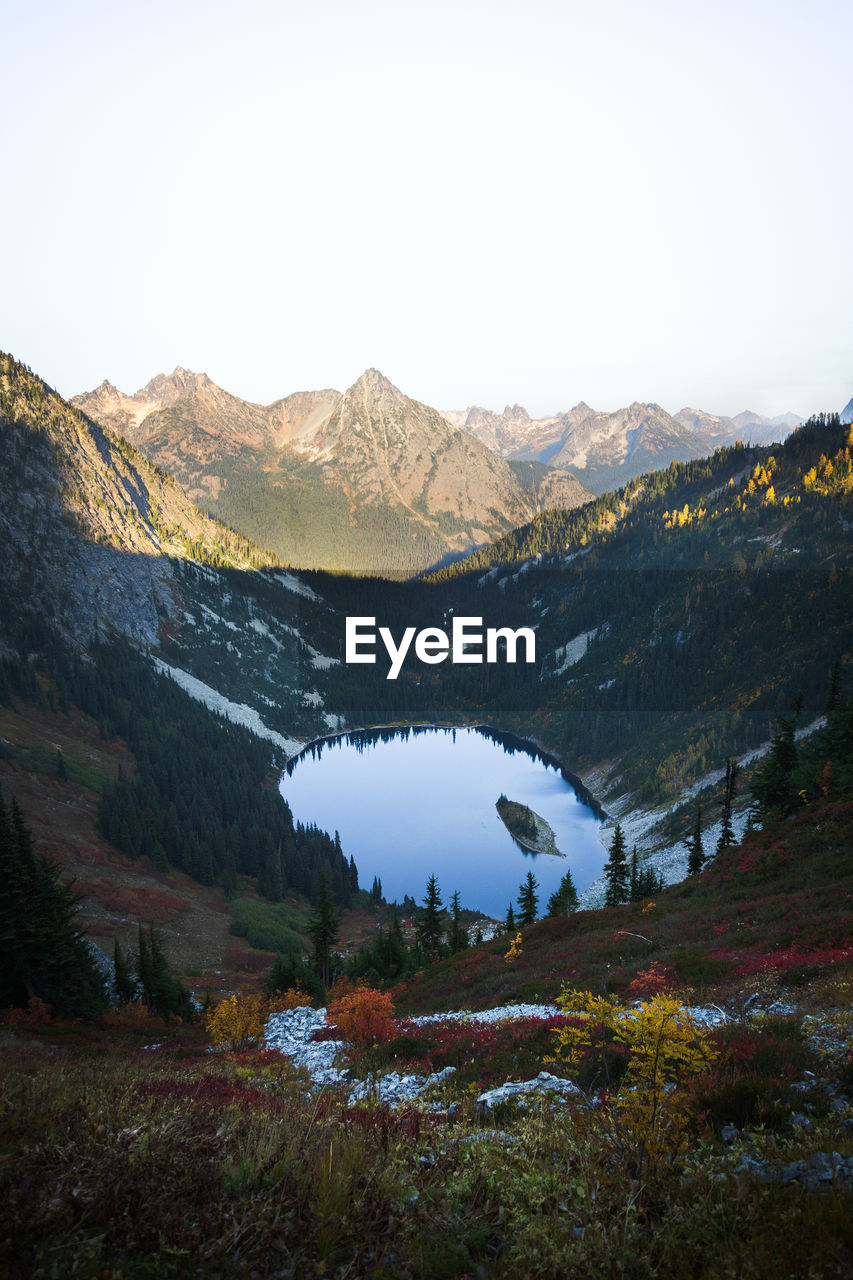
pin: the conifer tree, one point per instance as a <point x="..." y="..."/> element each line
<point x="509" y="923"/>
<point x="429" y="926"/>
<point x="616" y="870"/>
<point x="528" y="899"/>
<point x="458" y="935"/>
<point x="773" y="788"/>
<point x="162" y="992"/>
<point x="696" y="854"/>
<point x="564" y="898"/>
<point x="42" y="953"/>
<point x="324" y="929"/>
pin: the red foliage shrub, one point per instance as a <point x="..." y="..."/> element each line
<point x="491" y="1049"/>
<point x="212" y="1091"/>
<point x="795" y="956"/>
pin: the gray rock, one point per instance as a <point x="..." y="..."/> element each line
<point x="395" y="1088"/>
<point x="792" y="1172"/>
<point x="290" y="1032"/>
<point x="544" y="1083"/>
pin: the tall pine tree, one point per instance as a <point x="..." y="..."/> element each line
<point x="528" y="899"/>
<point x="429" y="927"/>
<point x="42" y="953"/>
<point x="458" y="937"/>
<point x="616" y="870"/>
<point x="324" y="929"/>
<point x="564" y="898"/>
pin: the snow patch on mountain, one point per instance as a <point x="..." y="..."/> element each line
<point x="573" y="650"/>
<point x="237" y="712"/>
<point x="292" y="583"/>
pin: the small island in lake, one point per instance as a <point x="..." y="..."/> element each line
<point x="528" y="828"/>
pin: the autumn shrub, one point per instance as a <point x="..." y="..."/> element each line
<point x="36" y="1014"/>
<point x="363" y="1017"/>
<point x="645" y="1115"/>
<point x="651" y="981"/>
<point x="515" y="949"/>
<point x="238" y="1022"/>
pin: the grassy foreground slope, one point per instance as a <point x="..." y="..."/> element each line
<point x="128" y="1161"/>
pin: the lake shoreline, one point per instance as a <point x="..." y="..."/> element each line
<point x="503" y="736"/>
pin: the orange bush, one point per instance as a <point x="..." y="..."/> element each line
<point x="651" y="981"/>
<point x="363" y="1017"/>
<point x="36" y="1014"/>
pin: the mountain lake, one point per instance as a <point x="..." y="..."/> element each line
<point x="410" y="803"/>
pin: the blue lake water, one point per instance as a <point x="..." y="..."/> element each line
<point x="417" y="802"/>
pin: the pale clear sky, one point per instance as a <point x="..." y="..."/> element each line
<point x="491" y="202"/>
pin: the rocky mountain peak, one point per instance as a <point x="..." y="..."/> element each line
<point x="374" y="384"/>
<point x="166" y="388"/>
<point x="370" y="399"/>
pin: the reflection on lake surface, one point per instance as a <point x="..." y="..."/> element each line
<point x="410" y="803"/>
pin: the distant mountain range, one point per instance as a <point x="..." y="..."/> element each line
<point x="367" y="480"/>
<point x="605" y="450"/>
